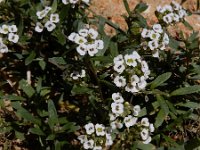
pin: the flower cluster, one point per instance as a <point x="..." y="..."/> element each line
<point x="171" y="13"/>
<point x="47" y="20"/>
<point x="131" y="72"/>
<point x="74" y="2"/>
<point x="156" y="39"/>
<point x="146" y="130"/>
<point x="87" y="40"/>
<point x="75" y="75"/>
<point x="124" y="114"/>
<point x="96" y="137"/>
<point x="10" y="32"/>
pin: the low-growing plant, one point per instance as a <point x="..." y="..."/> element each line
<point x="66" y="84"/>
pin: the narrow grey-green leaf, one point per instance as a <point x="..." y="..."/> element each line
<point x="160" y="118"/>
<point x="30" y="58"/>
<point x="27" y="88"/>
<point x="186" y="90"/>
<point x="162" y="104"/>
<point x="53" y="117"/>
<point x="36" y="131"/>
<point x="141" y="7"/>
<point x="160" y="79"/>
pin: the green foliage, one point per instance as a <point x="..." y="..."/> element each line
<point x="45" y="103"/>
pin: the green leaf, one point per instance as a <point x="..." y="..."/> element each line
<point x="162" y="104"/>
<point x="27" y="88"/>
<point x="42" y="64"/>
<point x="192" y="144"/>
<point x="14" y="98"/>
<point x="160" y="118"/>
<point x="53" y="117"/>
<point x="193" y="36"/>
<point x="30" y="58"/>
<point x="174" y="44"/>
<point x="160" y="79"/>
<point x="141" y="7"/>
<point x="127" y="7"/>
<point x="80" y="90"/>
<point x="186" y="90"/>
<point x="54" y="6"/>
<point x="142" y="146"/>
<point x="36" y="131"/>
<point x="57" y="61"/>
<point x="114" y="49"/>
<point x="188" y="104"/>
<point x="187" y="25"/>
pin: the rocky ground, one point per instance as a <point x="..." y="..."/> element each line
<point x="114" y="9"/>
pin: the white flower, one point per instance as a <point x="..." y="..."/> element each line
<point x="168" y="8"/>
<point x="83" y="32"/>
<point x="99" y="44"/>
<point x="136" y="110"/>
<point x="116" y="125"/>
<point x="65" y="2"/>
<point x="75" y="75"/>
<point x="154" y="35"/>
<point x="131" y="88"/>
<point x="120" y="81"/>
<point x="88" y="144"/>
<point x="176" y="6"/>
<point x="82" y="138"/>
<point x="176" y="18"/>
<point x="134" y="80"/>
<point x="117" y="108"/>
<point x="145" y="33"/>
<point x="86" y="1"/>
<point x="130" y="121"/>
<point x="151" y="127"/>
<point x="50" y="26"/>
<point x="147" y="141"/>
<point x="130" y="60"/>
<point x="119" y="59"/>
<point x="42" y="14"/>
<point x="13" y="37"/>
<point x="89" y="128"/>
<point x="168" y="18"/>
<point x="144" y="134"/>
<point x="4" y="29"/>
<point x="160" y="9"/>
<point x="54" y="18"/>
<point x="82" y="49"/>
<point x="157" y="28"/>
<point x="155" y="53"/>
<point x="92" y="49"/>
<point x="47" y="9"/>
<point x="113" y="116"/>
<point x="73" y="1"/>
<point x="144" y="66"/>
<point x="93" y="33"/>
<point x="82" y="75"/>
<point x="142" y="84"/>
<point x="3" y="48"/>
<point x="119" y="67"/>
<point x="182" y="13"/>
<point x="117" y="97"/>
<point x="100" y="129"/>
<point x="12" y="28"/>
<point x="80" y="39"/>
<point x="153" y="44"/>
<point x="97" y="148"/>
<point x="39" y="27"/>
<point x="165" y="39"/>
<point x="72" y="36"/>
<point x="109" y="140"/>
<point x="145" y="122"/>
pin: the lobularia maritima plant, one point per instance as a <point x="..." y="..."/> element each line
<point x="66" y="84"/>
